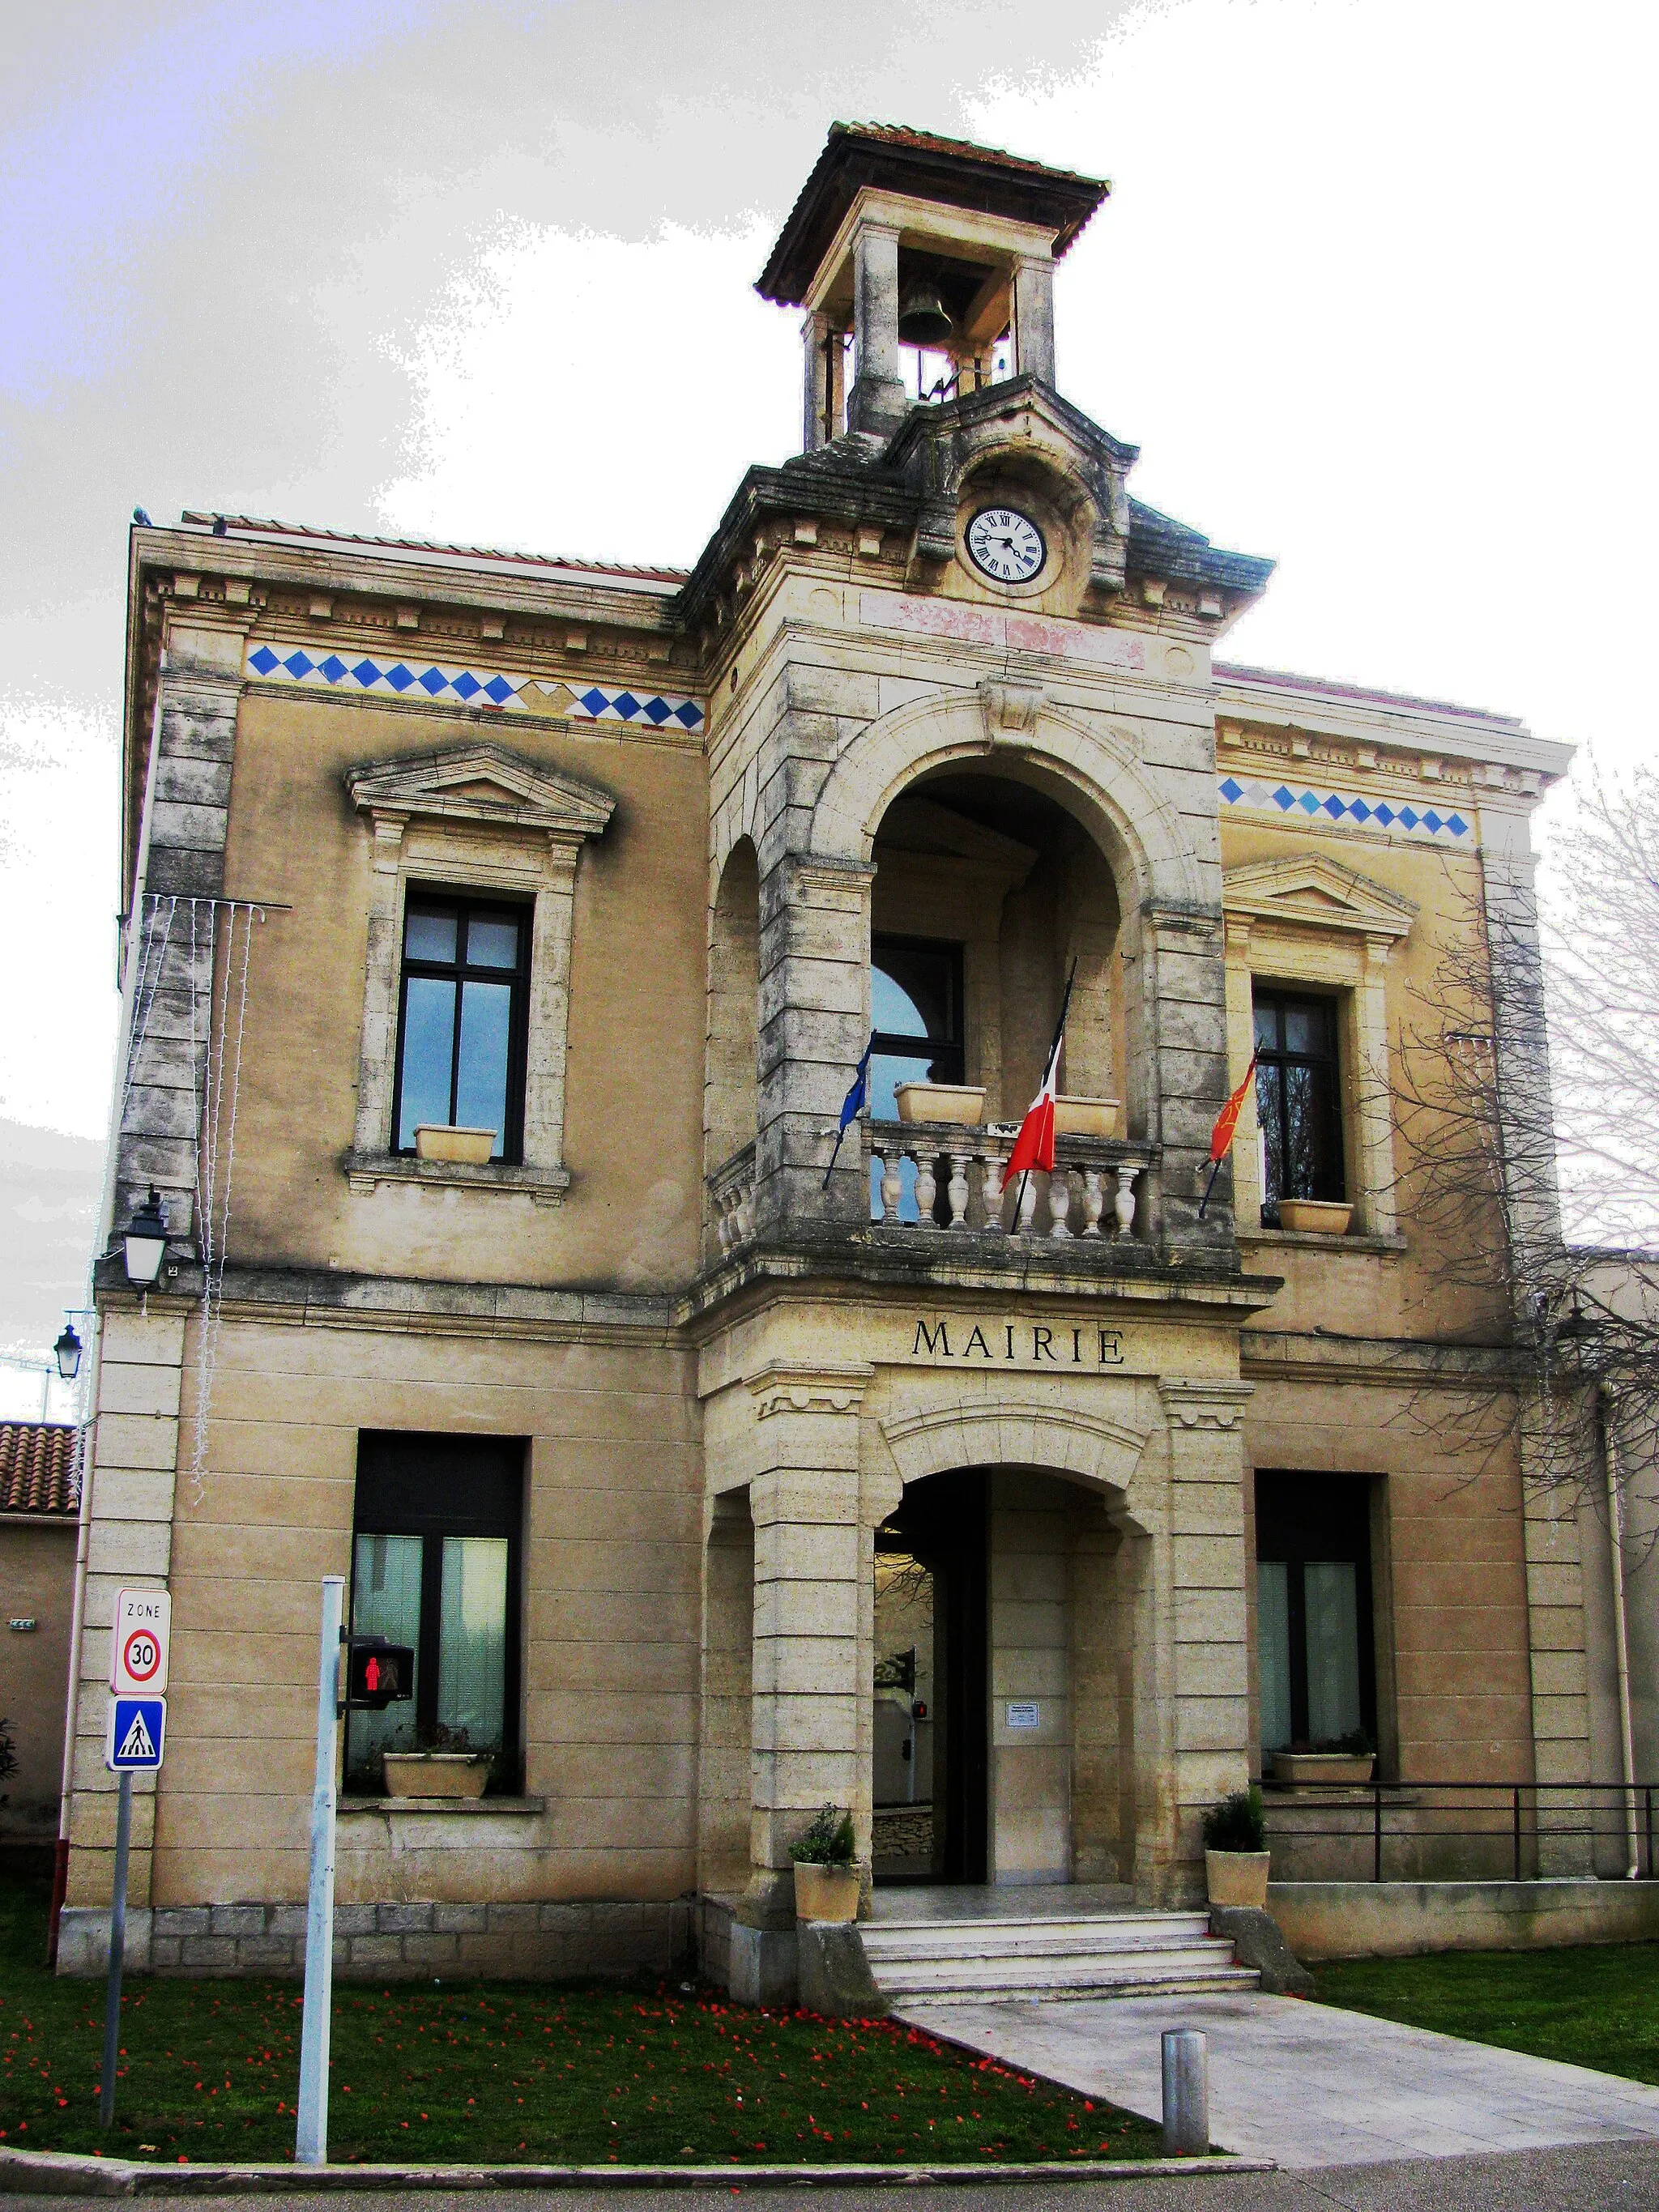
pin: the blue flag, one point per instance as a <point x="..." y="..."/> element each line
<point x="851" y="1105"/>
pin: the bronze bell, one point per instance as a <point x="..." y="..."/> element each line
<point x="922" y="320"/>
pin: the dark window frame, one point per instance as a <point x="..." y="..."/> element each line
<point x="1303" y="1519"/>
<point x="1273" y="1062"/>
<point x="463" y="905"/>
<point x="417" y="1483"/>
<point x="947" y="1055"/>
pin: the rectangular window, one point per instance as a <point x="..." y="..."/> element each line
<point x="461" y="1020"/>
<point x="435" y="1546"/>
<point x="1297" y="1098"/>
<point x="1315" y="1664"/>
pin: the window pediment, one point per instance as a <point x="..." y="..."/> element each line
<point x="1316" y="893"/>
<point x="481" y="783"/>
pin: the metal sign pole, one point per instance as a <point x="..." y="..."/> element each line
<point x="311" y="2132"/>
<point x="118" y="1944"/>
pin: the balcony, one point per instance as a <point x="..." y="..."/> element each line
<point x="958" y="1182"/>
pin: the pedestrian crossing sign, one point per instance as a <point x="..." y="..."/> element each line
<point x="136" y="1734"/>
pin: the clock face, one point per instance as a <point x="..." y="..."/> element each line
<point x="1006" y="545"/>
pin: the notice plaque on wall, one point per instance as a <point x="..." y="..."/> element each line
<point x="1024" y="1716"/>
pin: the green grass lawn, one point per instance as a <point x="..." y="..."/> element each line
<point x="638" y="2073"/>
<point x="1596" y="2006"/>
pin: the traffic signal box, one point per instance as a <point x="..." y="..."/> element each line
<point x="379" y="1673"/>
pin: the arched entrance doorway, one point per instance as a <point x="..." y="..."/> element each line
<point x="1005" y="1682"/>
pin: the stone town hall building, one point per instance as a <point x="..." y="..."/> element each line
<point x="709" y="1480"/>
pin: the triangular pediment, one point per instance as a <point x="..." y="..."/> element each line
<point x="1317" y="893"/>
<point x="481" y="783"/>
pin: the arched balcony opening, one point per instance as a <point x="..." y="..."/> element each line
<point x="988" y="892"/>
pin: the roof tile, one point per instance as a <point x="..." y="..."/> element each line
<point x="37" y="1467"/>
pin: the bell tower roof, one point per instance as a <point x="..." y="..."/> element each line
<point x="888" y="159"/>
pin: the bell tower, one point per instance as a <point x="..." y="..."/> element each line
<point x="901" y="244"/>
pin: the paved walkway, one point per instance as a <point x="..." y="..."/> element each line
<point x="1308" y="2085"/>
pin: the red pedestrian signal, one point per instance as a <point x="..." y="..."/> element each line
<point x="379" y="1673"/>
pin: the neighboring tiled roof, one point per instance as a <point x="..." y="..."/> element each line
<point x="255" y="525"/>
<point x="37" y="1459"/>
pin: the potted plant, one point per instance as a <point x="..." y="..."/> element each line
<point x="1236" y="1853"/>
<point x="447" y="1767"/>
<point x="1349" y="1758"/>
<point x="826" y="1880"/>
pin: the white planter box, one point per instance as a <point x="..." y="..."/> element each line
<point x="1085" y="1117"/>
<point x="1237" y="1877"/>
<point x="1316" y="1217"/>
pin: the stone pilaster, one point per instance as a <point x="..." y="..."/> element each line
<point x="200" y="686"/>
<point x="131" y="1476"/>
<point x="814" y="1025"/>
<point x="1183" y="1042"/>
<point x="1200" y="1570"/>
<point x="1562" y="1748"/>
<point x="814" y="1624"/>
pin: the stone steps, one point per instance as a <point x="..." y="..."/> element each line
<point x="1107" y="1954"/>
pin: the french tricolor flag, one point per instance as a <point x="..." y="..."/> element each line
<point x="1034" y="1147"/>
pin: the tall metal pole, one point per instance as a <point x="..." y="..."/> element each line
<point x="118" y="1944"/>
<point x="311" y="2132"/>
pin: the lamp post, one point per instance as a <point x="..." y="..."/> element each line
<point x="146" y="1240"/>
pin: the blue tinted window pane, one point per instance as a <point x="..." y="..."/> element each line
<point x="492" y="942"/>
<point x="893" y="1009"/>
<point x="429" y="936"/>
<point x="428" y="1043"/>
<point x="481" y="1090"/>
<point x="887" y="1072"/>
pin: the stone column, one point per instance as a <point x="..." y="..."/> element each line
<point x="1181" y="1016"/>
<point x="823" y="397"/>
<point x="814" y="1025"/>
<point x="1199" y="1573"/>
<point x="814" y="1623"/>
<point x="878" y="402"/>
<point x="1033" y="319"/>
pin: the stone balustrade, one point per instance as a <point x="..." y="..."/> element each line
<point x="731" y="1201"/>
<point x="958" y="1181"/>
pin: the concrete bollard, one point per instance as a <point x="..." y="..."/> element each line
<point x="1186" y="2093"/>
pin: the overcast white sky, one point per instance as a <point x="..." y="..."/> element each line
<point x="1373" y="295"/>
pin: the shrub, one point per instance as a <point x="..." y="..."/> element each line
<point x="1235" y="1823"/>
<point x="828" y="1842"/>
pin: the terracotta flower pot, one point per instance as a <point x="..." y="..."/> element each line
<point x="1085" y="1117"/>
<point x="1323" y="1766"/>
<point x="461" y="1147"/>
<point x="436" y="1773"/>
<point x="961" y="1102"/>
<point x="1314" y="1217"/>
<point x="826" y="1892"/>
<point x="1237" y="1877"/>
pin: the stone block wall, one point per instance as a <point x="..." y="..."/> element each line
<point x="527" y="1941"/>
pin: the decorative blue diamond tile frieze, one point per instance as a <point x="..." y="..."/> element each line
<point x="1343" y="809"/>
<point x="509" y="694"/>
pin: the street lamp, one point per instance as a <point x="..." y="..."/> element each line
<point x="68" y="1352"/>
<point x="146" y="1242"/>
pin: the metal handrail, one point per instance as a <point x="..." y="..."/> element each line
<point x="1501" y="1796"/>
